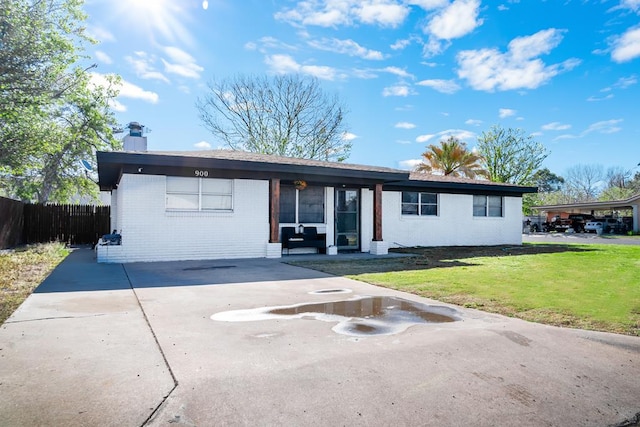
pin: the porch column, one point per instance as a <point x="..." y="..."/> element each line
<point x="274" y="210"/>
<point x="274" y="247"/>
<point x="378" y="247"/>
<point x="377" y="213"/>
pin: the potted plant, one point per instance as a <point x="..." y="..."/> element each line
<point x="300" y="184"/>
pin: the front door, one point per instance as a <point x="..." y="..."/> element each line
<point x="347" y="219"/>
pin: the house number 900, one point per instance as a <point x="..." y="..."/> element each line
<point x="201" y="173"/>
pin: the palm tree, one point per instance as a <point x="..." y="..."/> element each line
<point x="452" y="158"/>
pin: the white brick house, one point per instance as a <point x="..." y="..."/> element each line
<point x="226" y="204"/>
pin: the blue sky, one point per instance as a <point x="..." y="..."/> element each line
<point x="411" y="73"/>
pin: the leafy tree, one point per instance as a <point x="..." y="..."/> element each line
<point x="51" y="116"/>
<point x="286" y="115"/>
<point x="510" y="156"/>
<point x="550" y="188"/>
<point x="451" y="157"/>
<point x="547" y="181"/>
<point x="634" y="184"/>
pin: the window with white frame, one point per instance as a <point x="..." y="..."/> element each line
<point x="421" y="204"/>
<point x="487" y="206"/>
<point x="302" y="206"/>
<point x="199" y="194"/>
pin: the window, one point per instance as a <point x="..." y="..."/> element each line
<point x="302" y="206"/>
<point x="487" y="206"/>
<point x="422" y="204"/>
<point x="199" y="194"/>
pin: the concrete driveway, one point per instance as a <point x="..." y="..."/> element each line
<point x="136" y="345"/>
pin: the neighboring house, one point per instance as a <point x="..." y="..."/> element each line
<point x="230" y="204"/>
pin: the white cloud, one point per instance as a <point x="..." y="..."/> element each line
<point x="129" y="90"/>
<point x="604" y="98"/>
<point x="126" y="90"/>
<point x="267" y="42"/>
<point x="101" y="34"/>
<point x="404" y="125"/>
<point x="555" y="126"/>
<point x="398" y="72"/>
<point x="409" y="164"/>
<point x="400" y="44"/>
<point x="489" y="69"/>
<point x="384" y="13"/>
<point x="626" y="47"/>
<point x="625" y="82"/>
<point x="429" y="4"/>
<point x="402" y="141"/>
<point x="473" y="122"/>
<point x="444" y="86"/>
<point x="460" y="134"/>
<point x="117" y="106"/>
<point x="202" y="145"/>
<point x="456" y="20"/>
<point x="424" y="138"/>
<point x="506" y="112"/>
<point x="397" y="90"/>
<point x="103" y="57"/>
<point x="604" y="127"/>
<point x="284" y="64"/>
<point x="348" y="136"/>
<point x="347" y="47"/>
<point x="181" y="63"/>
<point x="143" y="65"/>
<point x="634" y="5"/>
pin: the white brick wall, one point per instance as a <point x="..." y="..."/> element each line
<point x="151" y="233"/>
<point x="454" y="226"/>
<point x="366" y="219"/>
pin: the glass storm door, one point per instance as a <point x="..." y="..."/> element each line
<point x="347" y="220"/>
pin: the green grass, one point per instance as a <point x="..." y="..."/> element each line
<point x="585" y="286"/>
<point x="22" y="270"/>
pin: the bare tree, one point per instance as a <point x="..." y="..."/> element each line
<point x="583" y="182"/>
<point x="617" y="176"/>
<point x="286" y="115"/>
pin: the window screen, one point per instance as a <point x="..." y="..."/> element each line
<point x="199" y="193"/>
<point x="302" y="206"/>
<point x="423" y="204"/>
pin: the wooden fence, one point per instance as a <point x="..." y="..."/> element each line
<point x="11" y="223"/>
<point x="72" y="224"/>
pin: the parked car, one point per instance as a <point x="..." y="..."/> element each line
<point x="579" y="221"/>
<point x="593" y="226"/>
<point x="608" y="225"/>
<point x="559" y="224"/>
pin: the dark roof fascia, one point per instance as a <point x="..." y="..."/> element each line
<point x="460" y="187"/>
<point x="111" y="165"/>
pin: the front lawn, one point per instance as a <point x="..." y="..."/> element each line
<point x="22" y="270"/>
<point x="582" y="286"/>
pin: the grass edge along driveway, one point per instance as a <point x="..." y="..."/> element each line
<point x="22" y="270"/>
<point x="594" y="287"/>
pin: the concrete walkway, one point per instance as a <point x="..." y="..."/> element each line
<point x="82" y="350"/>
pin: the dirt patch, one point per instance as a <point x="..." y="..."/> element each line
<point x="432" y="257"/>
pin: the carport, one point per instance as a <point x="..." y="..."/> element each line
<point x="632" y="203"/>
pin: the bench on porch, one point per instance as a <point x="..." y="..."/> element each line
<point x="309" y="238"/>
